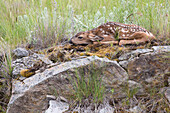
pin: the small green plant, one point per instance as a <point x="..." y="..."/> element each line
<point x="112" y="90"/>
<point x="88" y="85"/>
<point x="130" y="93"/>
<point x="2" y="109"/>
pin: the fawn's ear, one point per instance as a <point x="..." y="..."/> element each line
<point x="95" y="38"/>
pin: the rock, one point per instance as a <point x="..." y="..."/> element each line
<point x="133" y="54"/>
<point x="57" y="107"/>
<point x="161" y="48"/>
<point x="148" y="68"/>
<point x="124" y="59"/>
<point x="51" y="97"/>
<point x="135" y="109"/>
<point x="62" y="99"/>
<point x="31" y="95"/>
<point x="107" y="109"/>
<point x="44" y="59"/>
<point x="124" y="64"/>
<point x="20" y="52"/>
<point x="28" y="62"/>
<point x="167" y="94"/>
<point x="133" y="84"/>
<point x="104" y="107"/>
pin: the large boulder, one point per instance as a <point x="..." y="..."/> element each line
<point x="150" y="69"/>
<point x="30" y="95"/>
<point x="148" y="65"/>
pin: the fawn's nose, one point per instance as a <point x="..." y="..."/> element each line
<point x="70" y="42"/>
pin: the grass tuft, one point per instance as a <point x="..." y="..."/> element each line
<point x="88" y="85"/>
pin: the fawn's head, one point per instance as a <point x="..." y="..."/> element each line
<point x="85" y="38"/>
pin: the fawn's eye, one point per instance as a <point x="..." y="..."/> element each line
<point x="80" y="37"/>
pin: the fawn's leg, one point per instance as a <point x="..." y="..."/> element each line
<point x="137" y="38"/>
<point x="135" y="41"/>
<point x="107" y="42"/>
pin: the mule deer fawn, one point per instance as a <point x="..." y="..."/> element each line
<point x="115" y="33"/>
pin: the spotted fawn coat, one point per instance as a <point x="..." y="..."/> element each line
<point x="115" y="33"/>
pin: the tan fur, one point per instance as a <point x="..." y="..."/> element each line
<point x="113" y="32"/>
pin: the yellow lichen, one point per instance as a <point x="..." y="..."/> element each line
<point x="103" y="51"/>
<point x="81" y="54"/>
<point x="27" y="72"/>
<point x="116" y="59"/>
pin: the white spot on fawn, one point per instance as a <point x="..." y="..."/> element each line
<point x="112" y="31"/>
<point x="147" y="33"/>
<point x="105" y="35"/>
<point x="124" y="31"/>
<point x="151" y="34"/>
<point x="133" y="30"/>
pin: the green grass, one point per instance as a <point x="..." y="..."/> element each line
<point x="87" y="84"/>
<point x="54" y="20"/>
